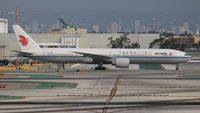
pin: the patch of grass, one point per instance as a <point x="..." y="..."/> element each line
<point x="150" y="66"/>
<point x="195" y="75"/>
<point x="45" y="85"/>
<point x="6" y="97"/>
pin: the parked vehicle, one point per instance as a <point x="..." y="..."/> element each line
<point x="4" y="62"/>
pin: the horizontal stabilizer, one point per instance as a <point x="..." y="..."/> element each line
<point x="21" y="53"/>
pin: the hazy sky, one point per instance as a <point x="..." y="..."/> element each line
<point x="127" y="5"/>
<point x="88" y="12"/>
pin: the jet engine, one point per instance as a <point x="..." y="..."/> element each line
<point x="121" y="62"/>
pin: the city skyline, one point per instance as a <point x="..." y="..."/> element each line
<point x="116" y="27"/>
<point x="152" y="14"/>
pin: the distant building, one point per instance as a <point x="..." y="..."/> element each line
<point x="175" y="29"/>
<point x="116" y="27"/>
<point x="55" y="27"/>
<point x="196" y="39"/>
<point x="3" y="25"/>
<point x="156" y="26"/>
<point x="95" y="28"/>
<point x="186" y="27"/>
<point x="143" y="28"/>
<point x="27" y="28"/>
<point x="137" y="26"/>
<point x="3" y="30"/>
<point x="197" y="29"/>
<point x="181" y="30"/>
<point x="42" y="28"/>
<point x="184" y="40"/>
<point x="35" y="27"/>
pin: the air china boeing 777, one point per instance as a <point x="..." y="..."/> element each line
<point x="121" y="58"/>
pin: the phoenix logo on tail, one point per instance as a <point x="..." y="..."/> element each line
<point x="23" y="40"/>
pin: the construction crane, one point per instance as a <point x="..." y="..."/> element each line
<point x="15" y="13"/>
<point x="66" y="25"/>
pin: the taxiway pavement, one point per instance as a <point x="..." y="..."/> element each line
<point x="110" y="91"/>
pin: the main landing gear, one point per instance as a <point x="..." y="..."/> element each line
<point x="100" y="67"/>
<point x="177" y="66"/>
<point x="61" y="67"/>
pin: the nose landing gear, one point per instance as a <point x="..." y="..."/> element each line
<point x="177" y="66"/>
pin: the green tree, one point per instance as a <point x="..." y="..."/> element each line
<point x="122" y="42"/>
<point x="167" y="41"/>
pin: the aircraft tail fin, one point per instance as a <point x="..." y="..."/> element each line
<point x="24" y="40"/>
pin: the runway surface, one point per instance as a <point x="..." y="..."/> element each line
<point x="110" y="91"/>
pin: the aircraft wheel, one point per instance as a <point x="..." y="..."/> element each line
<point x="177" y="67"/>
<point x="96" y="68"/>
<point x="100" y="68"/>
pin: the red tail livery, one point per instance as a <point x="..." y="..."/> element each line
<point x="23" y="40"/>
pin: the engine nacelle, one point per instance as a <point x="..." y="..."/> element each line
<point x="121" y="62"/>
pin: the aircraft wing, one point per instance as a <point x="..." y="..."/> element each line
<point x="21" y="53"/>
<point x="96" y="57"/>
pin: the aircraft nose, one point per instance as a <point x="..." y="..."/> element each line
<point x="189" y="57"/>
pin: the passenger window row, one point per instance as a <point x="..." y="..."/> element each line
<point x="132" y="53"/>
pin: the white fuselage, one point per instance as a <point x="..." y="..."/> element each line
<point x="121" y="58"/>
<point x="71" y="55"/>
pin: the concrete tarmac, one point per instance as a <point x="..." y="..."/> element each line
<point x="110" y="91"/>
